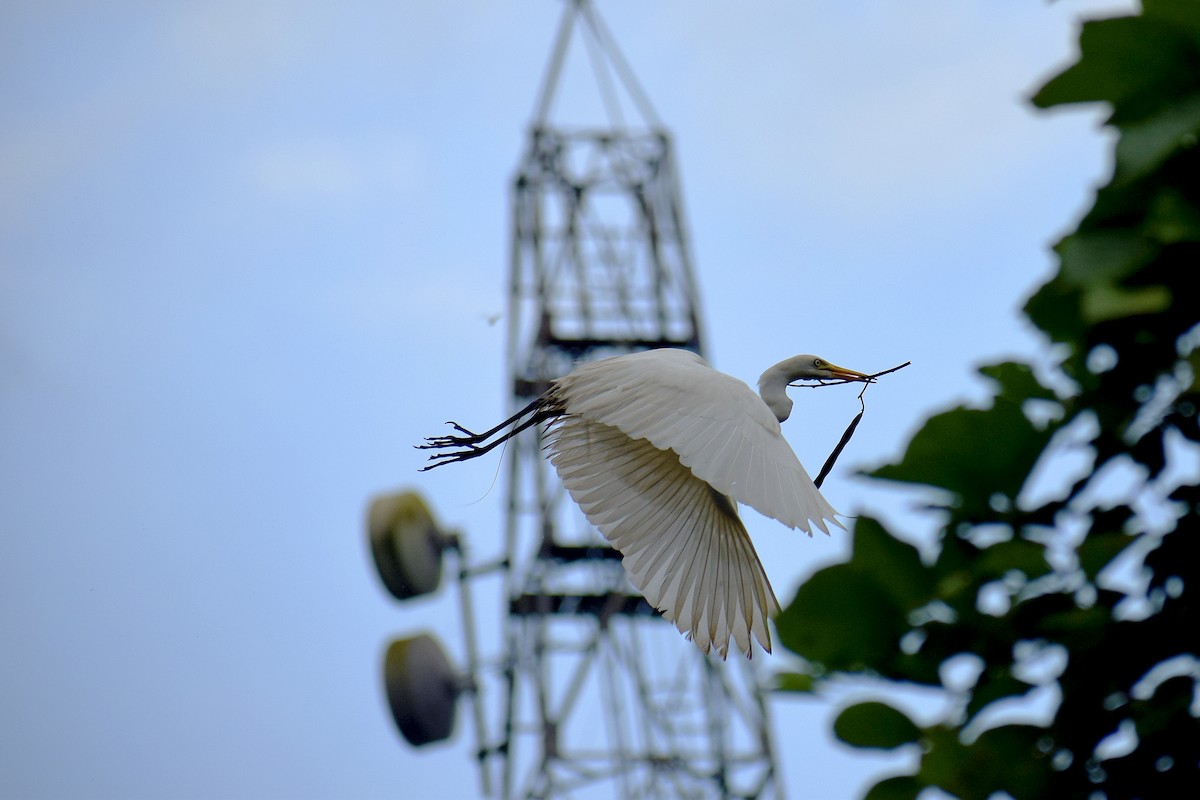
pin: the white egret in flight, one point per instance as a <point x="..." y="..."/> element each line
<point x="657" y="448"/>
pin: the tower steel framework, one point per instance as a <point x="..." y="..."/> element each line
<point x="599" y="690"/>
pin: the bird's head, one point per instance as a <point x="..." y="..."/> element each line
<point x="774" y="382"/>
<point x="815" y="368"/>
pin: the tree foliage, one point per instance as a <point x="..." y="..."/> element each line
<point x="1044" y="576"/>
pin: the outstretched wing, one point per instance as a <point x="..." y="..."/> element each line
<point x="683" y="544"/>
<point x="718" y="426"/>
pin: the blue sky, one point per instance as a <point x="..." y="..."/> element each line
<point x="249" y="254"/>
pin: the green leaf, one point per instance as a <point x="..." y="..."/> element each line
<point x="1173" y="218"/>
<point x="1056" y="618"/>
<point x="1184" y="14"/>
<point x="1103" y="303"/>
<point x="1133" y="63"/>
<point x="842" y="619"/>
<point x="1103" y="257"/>
<point x="1003" y="759"/>
<point x="1055" y="310"/>
<point x="1144" y="146"/>
<point x="893" y="564"/>
<point x="1008" y="758"/>
<point x="944" y="761"/>
<point x="852" y="616"/>
<point x="995" y="684"/>
<point x="1100" y="548"/>
<point x="875" y="725"/>
<point x="1016" y="381"/>
<point x="1022" y="555"/>
<point x="898" y="787"/>
<point x="795" y="682"/>
<point x="972" y="453"/>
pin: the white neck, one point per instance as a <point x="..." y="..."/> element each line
<point x="772" y="386"/>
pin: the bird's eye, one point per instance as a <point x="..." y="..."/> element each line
<point x="818" y="363"/>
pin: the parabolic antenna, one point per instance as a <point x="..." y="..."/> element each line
<point x="422" y="688"/>
<point x="406" y="543"/>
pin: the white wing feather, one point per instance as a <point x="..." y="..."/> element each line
<point x="683" y="545"/>
<point x="718" y="426"/>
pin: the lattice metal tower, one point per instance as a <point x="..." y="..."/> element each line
<point x="599" y="696"/>
<point x="600" y="691"/>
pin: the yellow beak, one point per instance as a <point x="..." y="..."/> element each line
<point x="848" y="374"/>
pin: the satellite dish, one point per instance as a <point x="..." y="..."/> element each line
<point x="422" y="688"/>
<point x="407" y="544"/>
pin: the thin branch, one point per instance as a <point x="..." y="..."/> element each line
<point x="837" y="451"/>
<point x="868" y="380"/>
<point x="841" y="445"/>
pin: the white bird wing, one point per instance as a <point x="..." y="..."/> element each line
<point x="683" y="545"/>
<point x="719" y="427"/>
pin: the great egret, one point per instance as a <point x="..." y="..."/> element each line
<point x="657" y="448"/>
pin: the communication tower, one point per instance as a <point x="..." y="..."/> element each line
<point x="598" y="696"/>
